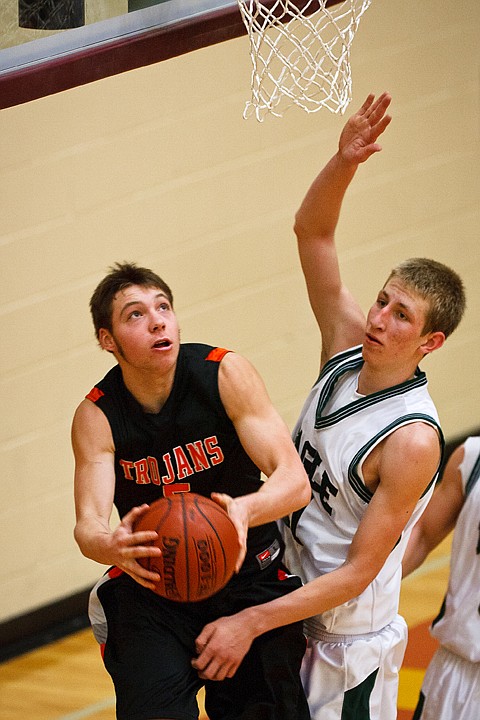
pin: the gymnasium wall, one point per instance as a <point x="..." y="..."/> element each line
<point x="158" y="166"/>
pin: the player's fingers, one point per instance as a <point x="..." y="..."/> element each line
<point x="367" y="104"/>
<point x="134" y="568"/>
<point x="382" y="125"/>
<point x="143" y="577"/>
<point x="139" y="551"/>
<point x="142" y="536"/>
<point x="202" y="662"/>
<point x="367" y="151"/>
<point x="145" y="582"/>
<point x="230" y="672"/>
<point x="202" y="640"/>
<point x="378" y="108"/>
<point x="241" y="558"/>
<point x="134" y="514"/>
<point x="213" y="670"/>
<point x="221" y="499"/>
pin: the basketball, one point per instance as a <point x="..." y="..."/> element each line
<point x="199" y="545"/>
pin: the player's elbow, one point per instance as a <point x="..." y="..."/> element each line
<point x="318" y="230"/>
<point x="306" y="495"/>
<point x="302" y="491"/>
<point x="302" y="228"/>
<point x="298" y="225"/>
<point x="78" y="537"/>
<point x="82" y="539"/>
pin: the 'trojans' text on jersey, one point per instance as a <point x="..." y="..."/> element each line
<point x="176" y="465"/>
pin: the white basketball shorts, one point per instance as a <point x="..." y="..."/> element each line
<point x="450" y="689"/>
<point x="354" y="677"/>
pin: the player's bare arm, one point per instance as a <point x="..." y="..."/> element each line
<point x="398" y="488"/>
<point x="266" y="439"/>
<point x="94" y="487"/>
<point x="440" y="515"/>
<point x="340" y="319"/>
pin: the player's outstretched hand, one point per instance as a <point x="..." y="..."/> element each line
<point x="128" y="546"/>
<point x="221" y="647"/>
<point x="358" y="138"/>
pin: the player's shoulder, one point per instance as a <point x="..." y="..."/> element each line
<point x="417" y="437"/>
<point x="110" y="384"/>
<point x="409" y="458"/>
<point x="411" y="449"/>
<point x="234" y="373"/>
<point x="236" y="368"/>
<point x="87" y="411"/>
<point x="203" y="352"/>
<point x="240" y="384"/>
<point x="90" y="428"/>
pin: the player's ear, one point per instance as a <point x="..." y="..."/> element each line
<point x="106" y="340"/>
<point x="433" y="342"/>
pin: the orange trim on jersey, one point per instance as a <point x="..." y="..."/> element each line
<point x="94" y="394"/>
<point x="217" y="354"/>
<point x="114" y="572"/>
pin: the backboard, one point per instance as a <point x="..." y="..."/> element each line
<point x="132" y="33"/>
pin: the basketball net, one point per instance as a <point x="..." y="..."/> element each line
<point x="300" y="53"/>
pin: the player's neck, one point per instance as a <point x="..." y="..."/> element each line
<point x="372" y="379"/>
<point x="151" y="391"/>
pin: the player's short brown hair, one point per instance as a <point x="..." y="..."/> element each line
<point x="121" y="276"/>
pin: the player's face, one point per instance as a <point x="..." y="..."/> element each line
<point x="145" y="332"/>
<point x="394" y="331"/>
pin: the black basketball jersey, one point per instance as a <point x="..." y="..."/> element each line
<point x="191" y="445"/>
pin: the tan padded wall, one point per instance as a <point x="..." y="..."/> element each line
<point x="158" y="166"/>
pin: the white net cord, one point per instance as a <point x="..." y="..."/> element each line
<point x="300" y="54"/>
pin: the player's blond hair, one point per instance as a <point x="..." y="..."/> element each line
<point x="440" y="286"/>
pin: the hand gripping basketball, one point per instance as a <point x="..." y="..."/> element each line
<point x="199" y="545"/>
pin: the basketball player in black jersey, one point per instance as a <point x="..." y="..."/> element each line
<point x="168" y="418"/>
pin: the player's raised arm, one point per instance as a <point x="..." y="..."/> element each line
<point x="339" y="317"/>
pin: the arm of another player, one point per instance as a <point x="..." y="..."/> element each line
<point x="440" y="515"/>
<point x="339" y="317"/>
<point x="266" y="439"/>
<point x="223" y="644"/>
<point x="94" y="488"/>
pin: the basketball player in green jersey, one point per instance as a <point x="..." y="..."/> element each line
<point x="370" y="440"/>
<point x="451" y="686"/>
